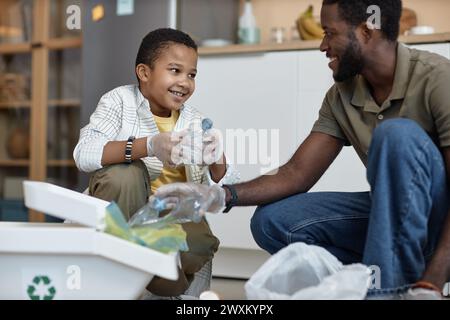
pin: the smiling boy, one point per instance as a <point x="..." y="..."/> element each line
<point x="137" y="140"/>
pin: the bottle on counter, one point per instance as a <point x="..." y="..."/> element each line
<point x="248" y="32"/>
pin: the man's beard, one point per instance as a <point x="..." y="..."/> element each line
<point x="351" y="63"/>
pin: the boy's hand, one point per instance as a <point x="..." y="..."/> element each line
<point x="198" y="147"/>
<point x="162" y="146"/>
<point x="212" y="146"/>
<point x="190" y="147"/>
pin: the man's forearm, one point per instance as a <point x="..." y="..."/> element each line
<point x="268" y="188"/>
<point x="303" y="170"/>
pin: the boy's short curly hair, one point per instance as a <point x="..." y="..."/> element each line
<point x="354" y="12"/>
<point x="158" y="40"/>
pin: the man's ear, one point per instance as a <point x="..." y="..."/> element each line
<point x="367" y="31"/>
<point x="143" y="72"/>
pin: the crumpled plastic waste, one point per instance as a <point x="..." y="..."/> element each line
<point x="164" y="236"/>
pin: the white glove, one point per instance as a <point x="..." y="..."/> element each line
<point x="191" y="146"/>
<point x="189" y="150"/>
<point x="212" y="198"/>
<point x="162" y="145"/>
<point x="198" y="147"/>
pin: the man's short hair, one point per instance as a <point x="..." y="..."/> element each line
<point x="354" y="12"/>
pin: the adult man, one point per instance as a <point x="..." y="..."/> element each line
<point x="393" y="105"/>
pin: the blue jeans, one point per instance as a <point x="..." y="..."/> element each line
<point x="396" y="226"/>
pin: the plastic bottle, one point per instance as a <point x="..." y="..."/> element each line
<point x="185" y="211"/>
<point x="206" y="124"/>
<point x="248" y="32"/>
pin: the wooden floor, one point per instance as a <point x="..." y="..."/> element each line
<point x="229" y="289"/>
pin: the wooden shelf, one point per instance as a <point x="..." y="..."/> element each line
<point x="61" y="163"/>
<point x="52" y="44"/>
<point x="14" y="163"/>
<point x="64" y="43"/>
<point x="308" y="45"/>
<point x="15" y="104"/>
<point x="26" y="163"/>
<point x="14" y="48"/>
<point x="62" y="103"/>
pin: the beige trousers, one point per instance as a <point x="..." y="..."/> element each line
<point x="129" y="186"/>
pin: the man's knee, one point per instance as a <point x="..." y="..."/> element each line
<point x="260" y="226"/>
<point x="397" y="132"/>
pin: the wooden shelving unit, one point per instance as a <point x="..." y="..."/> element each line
<point x="63" y="103"/>
<point x="41" y="109"/>
<point x="15" y="163"/>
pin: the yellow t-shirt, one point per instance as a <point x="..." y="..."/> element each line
<point x="168" y="175"/>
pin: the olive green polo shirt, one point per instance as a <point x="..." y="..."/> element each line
<point x="421" y="92"/>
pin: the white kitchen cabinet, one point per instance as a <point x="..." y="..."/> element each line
<point x="440" y="48"/>
<point x="256" y="93"/>
<point x="347" y="173"/>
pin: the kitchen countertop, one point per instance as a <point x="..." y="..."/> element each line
<point x="308" y="45"/>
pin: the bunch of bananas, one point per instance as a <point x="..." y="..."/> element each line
<point x="307" y="26"/>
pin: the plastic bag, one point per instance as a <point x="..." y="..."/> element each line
<point x="307" y="272"/>
<point x="164" y="237"/>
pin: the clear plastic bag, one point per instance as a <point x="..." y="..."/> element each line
<point x="156" y="212"/>
<point x="156" y="225"/>
<point x="307" y="272"/>
<point x="164" y="237"/>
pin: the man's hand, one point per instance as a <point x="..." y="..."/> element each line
<point x="212" y="198"/>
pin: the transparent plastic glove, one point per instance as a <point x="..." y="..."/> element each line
<point x="189" y="209"/>
<point x="211" y="198"/>
<point x="212" y="146"/>
<point x="200" y="145"/>
<point x="162" y="145"/>
<point x="190" y="148"/>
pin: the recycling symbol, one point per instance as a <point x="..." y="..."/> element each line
<point x="41" y="289"/>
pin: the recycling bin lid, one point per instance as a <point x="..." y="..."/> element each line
<point x="65" y="204"/>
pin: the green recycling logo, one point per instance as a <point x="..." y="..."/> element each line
<point x="41" y="289"/>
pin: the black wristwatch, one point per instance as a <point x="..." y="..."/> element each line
<point x="233" y="199"/>
<point x="128" y="149"/>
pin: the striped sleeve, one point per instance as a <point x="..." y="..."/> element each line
<point x="104" y="125"/>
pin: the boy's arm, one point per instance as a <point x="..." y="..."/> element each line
<point x="114" y="151"/>
<point x="218" y="169"/>
<point x="104" y="125"/>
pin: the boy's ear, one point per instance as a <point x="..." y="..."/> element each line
<point x="143" y="72"/>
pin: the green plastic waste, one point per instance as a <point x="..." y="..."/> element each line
<point x="163" y="237"/>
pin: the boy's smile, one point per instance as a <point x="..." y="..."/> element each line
<point x="171" y="81"/>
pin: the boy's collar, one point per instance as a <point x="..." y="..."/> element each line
<point x="141" y="100"/>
